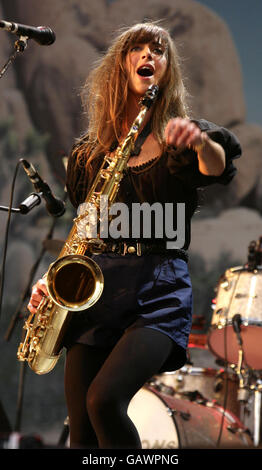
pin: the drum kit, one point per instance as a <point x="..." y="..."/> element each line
<point x="219" y="406"/>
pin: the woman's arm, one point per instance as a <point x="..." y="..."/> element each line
<point x="183" y="133"/>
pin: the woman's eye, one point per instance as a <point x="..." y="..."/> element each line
<point x="154" y="50"/>
<point x="158" y="51"/>
<point x="135" y="48"/>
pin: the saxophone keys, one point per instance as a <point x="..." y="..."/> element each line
<point x="20" y="353"/>
<point x="35" y="341"/>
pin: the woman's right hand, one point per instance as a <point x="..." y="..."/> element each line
<point x="39" y="291"/>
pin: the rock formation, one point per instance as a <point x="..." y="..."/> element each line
<point x="50" y="78"/>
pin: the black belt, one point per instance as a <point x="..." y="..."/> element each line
<point x="140" y="249"/>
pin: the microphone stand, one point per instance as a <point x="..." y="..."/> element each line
<point x="20" y="46"/>
<point x="27" y="205"/>
<point x="33" y="200"/>
<point x="245" y="388"/>
<point x="243" y="393"/>
<point x="17" y="315"/>
<point x="254" y="260"/>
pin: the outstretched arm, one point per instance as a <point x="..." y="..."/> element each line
<point x="181" y="133"/>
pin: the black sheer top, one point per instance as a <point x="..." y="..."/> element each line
<point x="172" y="177"/>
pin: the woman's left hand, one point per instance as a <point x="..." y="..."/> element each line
<point x="181" y="133"/>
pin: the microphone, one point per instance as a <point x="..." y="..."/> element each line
<point x="41" y="34"/>
<point x="55" y="207"/>
<point x="236" y="320"/>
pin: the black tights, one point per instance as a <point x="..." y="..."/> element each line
<point x="99" y="384"/>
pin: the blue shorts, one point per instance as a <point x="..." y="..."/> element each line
<point x="152" y="291"/>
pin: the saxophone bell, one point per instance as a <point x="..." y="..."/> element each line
<point x="74" y="282"/>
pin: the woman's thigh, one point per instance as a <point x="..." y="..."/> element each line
<point x="137" y="356"/>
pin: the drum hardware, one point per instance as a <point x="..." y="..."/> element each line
<point x="174" y="412"/>
<point x="251" y="405"/>
<point x="236" y="321"/>
<point x="161" y="387"/>
<point x="243" y="392"/>
<point x="225" y="284"/>
<point x="254" y="258"/>
<point x="257" y="412"/>
<point x="257" y="389"/>
<point x="169" y="422"/>
<point x="195" y="396"/>
<point x="234" y="428"/>
<point x="219" y="383"/>
<point x="237" y="269"/>
<point x="185" y="415"/>
<point x="235" y="332"/>
<point x="203" y="386"/>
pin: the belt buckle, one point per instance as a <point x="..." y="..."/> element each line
<point x="132" y="249"/>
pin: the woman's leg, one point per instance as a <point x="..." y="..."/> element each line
<point x="82" y="365"/>
<point x="138" y="355"/>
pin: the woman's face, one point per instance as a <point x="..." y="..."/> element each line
<point x="146" y="65"/>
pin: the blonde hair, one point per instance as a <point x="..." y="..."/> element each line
<point x="105" y="93"/>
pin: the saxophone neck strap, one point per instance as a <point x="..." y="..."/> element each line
<point x="139" y="141"/>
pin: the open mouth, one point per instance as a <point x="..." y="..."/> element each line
<point x="145" y="71"/>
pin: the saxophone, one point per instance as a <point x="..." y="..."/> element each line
<point x="75" y="281"/>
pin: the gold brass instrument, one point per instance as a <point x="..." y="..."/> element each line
<point x="75" y="281"/>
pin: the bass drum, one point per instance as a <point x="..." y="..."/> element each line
<point x="165" y="422"/>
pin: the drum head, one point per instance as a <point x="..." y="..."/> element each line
<point x="155" y="426"/>
<point x="223" y="343"/>
<point x="239" y="294"/>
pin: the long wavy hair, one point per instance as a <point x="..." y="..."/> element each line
<point x="105" y="93"/>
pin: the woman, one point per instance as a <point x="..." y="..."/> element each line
<point x="140" y="325"/>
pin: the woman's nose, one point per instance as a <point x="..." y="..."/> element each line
<point x="146" y="52"/>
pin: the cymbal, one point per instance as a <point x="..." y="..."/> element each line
<point x="53" y="246"/>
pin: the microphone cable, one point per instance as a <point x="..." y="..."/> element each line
<point x="226" y="361"/>
<point x="226" y="385"/>
<point x="226" y="377"/>
<point x="6" y="236"/>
